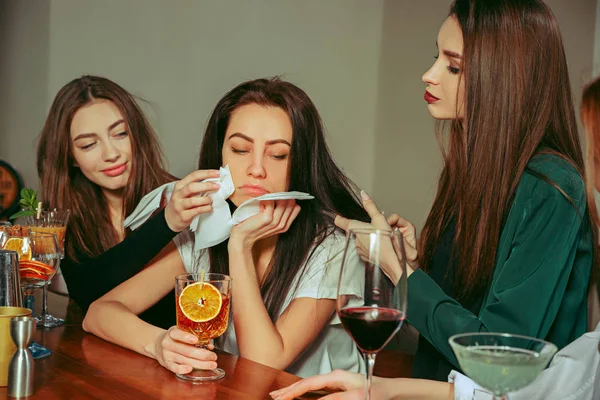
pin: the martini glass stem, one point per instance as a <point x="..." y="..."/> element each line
<point x="370" y="363"/>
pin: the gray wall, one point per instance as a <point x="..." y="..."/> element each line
<point x="361" y="62"/>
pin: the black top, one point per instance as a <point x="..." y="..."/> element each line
<point x="92" y="278"/>
<point x="430" y="363"/>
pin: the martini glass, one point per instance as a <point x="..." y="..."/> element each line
<point x="501" y="362"/>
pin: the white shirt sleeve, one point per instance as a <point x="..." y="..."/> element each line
<point x="319" y="278"/>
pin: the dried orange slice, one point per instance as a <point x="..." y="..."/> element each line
<point x="18" y="245"/>
<point x="200" y="302"/>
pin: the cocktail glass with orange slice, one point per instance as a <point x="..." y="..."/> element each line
<point x="38" y="259"/>
<point x="202" y="305"/>
<point x="50" y="222"/>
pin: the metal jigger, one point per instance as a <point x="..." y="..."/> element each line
<point x="10" y="284"/>
<point x="20" y="369"/>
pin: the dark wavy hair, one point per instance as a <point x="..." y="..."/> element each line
<point x="312" y="170"/>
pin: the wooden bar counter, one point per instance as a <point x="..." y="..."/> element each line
<point x="83" y="366"/>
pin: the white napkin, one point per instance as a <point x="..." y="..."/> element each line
<point x="212" y="228"/>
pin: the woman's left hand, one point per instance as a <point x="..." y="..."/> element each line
<point x="275" y="217"/>
<point x="379" y="221"/>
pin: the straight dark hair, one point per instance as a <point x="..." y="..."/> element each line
<point x="518" y="103"/>
<point x="590" y="117"/>
<point x="90" y="231"/>
<point x="312" y="170"/>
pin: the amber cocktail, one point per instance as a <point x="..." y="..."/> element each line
<point x="202" y="306"/>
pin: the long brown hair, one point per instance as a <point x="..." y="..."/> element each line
<point x="312" y="170"/>
<point x="590" y="117"/>
<point x="90" y="231"/>
<point x="518" y="103"/>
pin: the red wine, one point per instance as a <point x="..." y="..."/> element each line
<point x="371" y="327"/>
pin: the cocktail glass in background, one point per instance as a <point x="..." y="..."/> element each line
<point x="500" y="362"/>
<point x="38" y="261"/>
<point x="202" y="305"/>
<point x="49" y="222"/>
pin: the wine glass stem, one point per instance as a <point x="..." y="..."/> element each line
<point x="370" y="363"/>
<point x="28" y="301"/>
<point x="44" y="302"/>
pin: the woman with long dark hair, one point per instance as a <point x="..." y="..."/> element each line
<point x="574" y="371"/>
<point x="284" y="261"/>
<point x="97" y="157"/>
<point x="509" y="243"/>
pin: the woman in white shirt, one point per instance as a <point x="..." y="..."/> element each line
<point x="284" y="261"/>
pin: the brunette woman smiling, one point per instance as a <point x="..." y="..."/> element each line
<point x="98" y="156"/>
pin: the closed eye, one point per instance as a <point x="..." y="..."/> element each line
<point x="238" y="151"/>
<point x="88" y="146"/>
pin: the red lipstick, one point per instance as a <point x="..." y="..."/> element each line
<point x="429" y="98"/>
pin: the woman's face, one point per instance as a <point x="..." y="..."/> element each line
<point x="445" y="91"/>
<point x="257" y="147"/>
<point x="101" y="145"/>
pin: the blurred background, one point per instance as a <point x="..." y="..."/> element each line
<point x="361" y="62"/>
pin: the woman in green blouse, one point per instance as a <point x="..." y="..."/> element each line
<point x="508" y="244"/>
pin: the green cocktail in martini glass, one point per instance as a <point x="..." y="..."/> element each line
<point x="501" y="362"/>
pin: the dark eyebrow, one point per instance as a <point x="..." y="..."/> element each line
<point x="249" y="139"/>
<point x="452" y="54"/>
<point x="88" y="135"/>
<point x="115" y="124"/>
<point x="84" y="136"/>
<point x="449" y="53"/>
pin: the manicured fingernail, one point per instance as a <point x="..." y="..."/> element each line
<point x="364" y="195"/>
<point x="216" y="185"/>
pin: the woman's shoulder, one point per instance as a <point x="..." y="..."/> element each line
<point x="551" y="174"/>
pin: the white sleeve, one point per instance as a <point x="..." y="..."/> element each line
<point x="466" y="389"/>
<point x="319" y="278"/>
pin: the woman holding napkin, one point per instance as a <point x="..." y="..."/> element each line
<point x="97" y="156"/>
<point x="284" y="257"/>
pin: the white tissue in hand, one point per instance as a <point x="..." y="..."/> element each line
<point x="215" y="227"/>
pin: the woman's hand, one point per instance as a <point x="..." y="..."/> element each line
<point x="188" y="201"/>
<point x="349" y="385"/>
<point x="378" y="221"/>
<point x="174" y="349"/>
<point x="275" y="217"/>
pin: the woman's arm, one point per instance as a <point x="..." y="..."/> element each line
<point x="259" y="338"/>
<point x="530" y="279"/>
<point x="114" y="317"/>
<point x="92" y="278"/>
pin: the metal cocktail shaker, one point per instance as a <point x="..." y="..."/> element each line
<point x="10" y="284"/>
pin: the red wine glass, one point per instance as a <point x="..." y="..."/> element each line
<point x="378" y="259"/>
